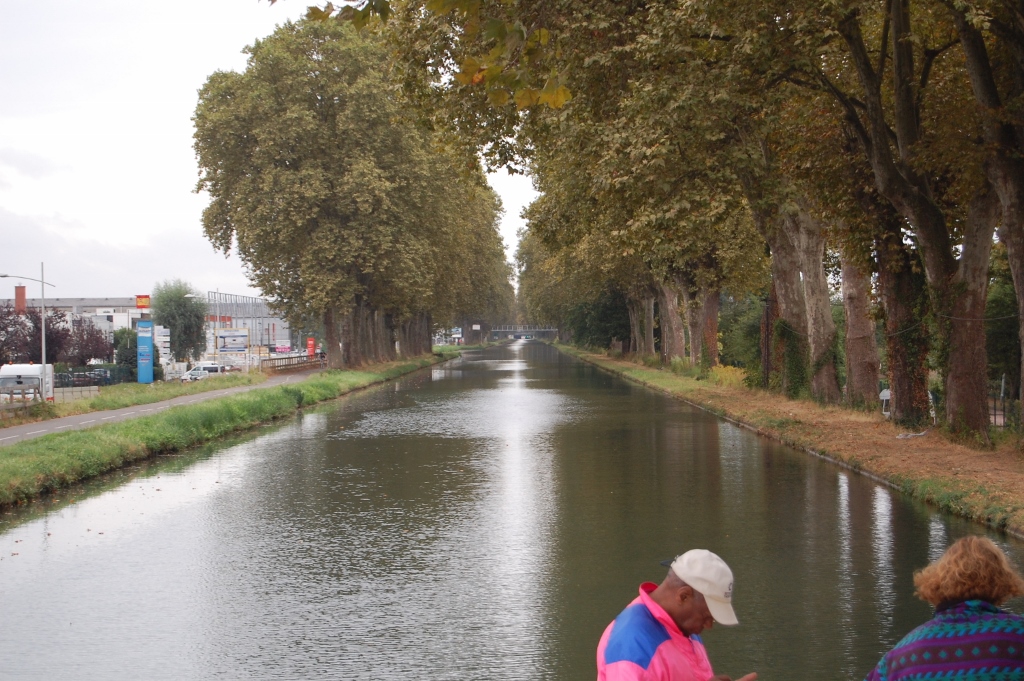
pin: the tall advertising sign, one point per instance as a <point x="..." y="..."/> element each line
<point x="144" y="333"/>
<point x="310" y="346"/>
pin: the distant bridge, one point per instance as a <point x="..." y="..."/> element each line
<point x="521" y="330"/>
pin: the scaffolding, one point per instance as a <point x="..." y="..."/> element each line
<point x="245" y="312"/>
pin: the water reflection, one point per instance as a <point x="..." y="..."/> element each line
<point x="483" y="519"/>
<point x="883" y="551"/>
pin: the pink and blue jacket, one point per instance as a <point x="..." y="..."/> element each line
<point x="645" y="644"/>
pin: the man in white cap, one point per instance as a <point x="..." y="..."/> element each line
<point x="657" y="636"/>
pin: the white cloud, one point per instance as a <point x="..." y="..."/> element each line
<point x="26" y="163"/>
<point x="81" y="266"/>
<point x="516" y="193"/>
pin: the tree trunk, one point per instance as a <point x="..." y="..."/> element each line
<point x="332" y="341"/>
<point x="904" y="295"/>
<point x="770" y="355"/>
<point x="809" y="239"/>
<point x="862" y="365"/>
<point x="1005" y="166"/>
<point x="791" y="328"/>
<point x="635" y="332"/>
<point x="1012" y="236"/>
<point x="711" y="304"/>
<point x="956" y="285"/>
<point x="649" y="348"/>
<point x="966" y="365"/>
<point x="673" y="343"/>
<point x="693" y="313"/>
<point x="349" y="346"/>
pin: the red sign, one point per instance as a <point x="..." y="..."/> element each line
<point x="142" y="302"/>
<point x="310" y="346"/>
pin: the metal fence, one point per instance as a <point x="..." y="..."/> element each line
<point x="292" y="363"/>
<point x="1003" y="409"/>
<point x="77" y="377"/>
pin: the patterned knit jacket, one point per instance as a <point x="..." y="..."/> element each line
<point x="967" y="641"/>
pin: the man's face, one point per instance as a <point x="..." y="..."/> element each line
<point x="694" y="616"/>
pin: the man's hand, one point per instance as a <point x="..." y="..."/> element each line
<point x="752" y="676"/>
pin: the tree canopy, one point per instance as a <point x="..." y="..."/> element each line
<point x="342" y="205"/>
<point x="683" y="148"/>
<point x="181" y="308"/>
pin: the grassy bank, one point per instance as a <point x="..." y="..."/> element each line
<point x="34" y="467"/>
<point x="456" y="350"/>
<point x="986" y="486"/>
<point x="132" y="394"/>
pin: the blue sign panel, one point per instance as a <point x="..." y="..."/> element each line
<point x="144" y="332"/>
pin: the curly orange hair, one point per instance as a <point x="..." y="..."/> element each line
<point x="972" y="568"/>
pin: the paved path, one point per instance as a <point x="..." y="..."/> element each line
<point x="8" y="436"/>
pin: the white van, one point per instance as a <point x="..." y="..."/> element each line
<point x="197" y="374"/>
<point x="26" y="382"/>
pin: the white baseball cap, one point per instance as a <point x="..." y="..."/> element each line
<point x="708" y="574"/>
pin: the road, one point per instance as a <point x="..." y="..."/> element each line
<point x="9" y="436"/>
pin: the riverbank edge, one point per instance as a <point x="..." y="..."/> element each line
<point x="968" y="498"/>
<point x="33" y="468"/>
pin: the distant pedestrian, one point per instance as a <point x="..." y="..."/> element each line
<point x="970" y="638"/>
<point x="657" y="636"/>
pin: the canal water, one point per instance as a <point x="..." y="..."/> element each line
<point x="481" y="520"/>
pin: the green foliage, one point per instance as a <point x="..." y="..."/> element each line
<point x="334" y="195"/>
<point x="1002" y="331"/>
<point x="682" y="367"/>
<point x="595" y="323"/>
<point x="126" y="354"/>
<point x="739" y="326"/>
<point x="126" y="345"/>
<point x="796" y="371"/>
<point x="181" y="308"/>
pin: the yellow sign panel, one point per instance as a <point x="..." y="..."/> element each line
<point x="142" y="301"/>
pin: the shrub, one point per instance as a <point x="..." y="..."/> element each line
<point x="651" y="361"/>
<point x="732" y="377"/>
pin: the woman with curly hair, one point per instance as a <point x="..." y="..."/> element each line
<point x="970" y="638"/>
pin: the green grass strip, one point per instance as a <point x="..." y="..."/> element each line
<point x="133" y="394"/>
<point x="48" y="463"/>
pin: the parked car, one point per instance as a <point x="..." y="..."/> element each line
<point x="101" y="376"/>
<point x="83" y="378"/>
<point x="197" y="374"/>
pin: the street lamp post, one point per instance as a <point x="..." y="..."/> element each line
<point x="42" y="317"/>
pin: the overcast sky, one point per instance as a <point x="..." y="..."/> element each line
<point x="96" y="163"/>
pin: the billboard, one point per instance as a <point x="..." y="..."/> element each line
<point x="233" y="340"/>
<point x="162" y="340"/>
<point x="144" y="351"/>
<point x="142" y="302"/>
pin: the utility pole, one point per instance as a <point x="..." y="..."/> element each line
<point x="42" y="317"/>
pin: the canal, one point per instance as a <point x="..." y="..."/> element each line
<point x="481" y="520"/>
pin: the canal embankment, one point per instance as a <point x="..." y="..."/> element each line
<point x="130" y="395"/>
<point x="38" y="466"/>
<point x="983" y="485"/>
